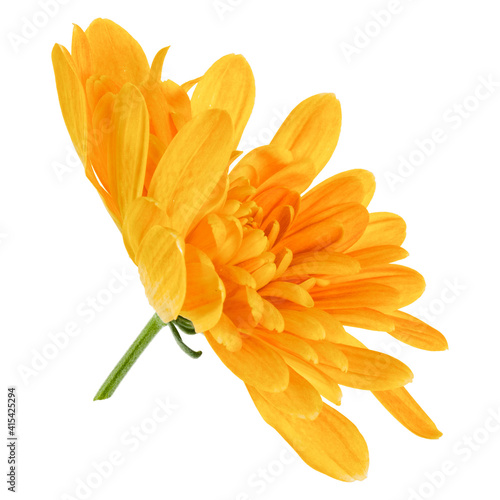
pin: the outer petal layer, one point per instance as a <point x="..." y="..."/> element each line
<point x="162" y="270"/>
<point x="330" y="444"/>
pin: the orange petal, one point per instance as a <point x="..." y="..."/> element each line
<point x="313" y="238"/>
<point x="281" y="291"/>
<point x="369" y="370"/>
<point x="295" y="176"/>
<point x="290" y="344"/>
<point x="416" y="333"/>
<point x="353" y="217"/>
<point x="228" y="85"/>
<point x="312" y="130"/>
<point x="261" y="163"/>
<point x="329" y="354"/>
<point x="255" y="363"/>
<point x="324" y="384"/>
<point x="352" y="186"/>
<point x="272" y="319"/>
<point x="205" y="291"/>
<point x="356" y="294"/>
<point x="322" y="263"/>
<point x="244" y="306"/>
<point x="369" y="319"/>
<point x="302" y="324"/>
<point x="383" y="229"/>
<point x="162" y="269"/>
<point x="300" y="399"/>
<point x="330" y="444"/>
<point x="407" y="411"/>
<point x="253" y="244"/>
<point x="115" y="53"/>
<point x="376" y="256"/>
<point x="408" y="282"/>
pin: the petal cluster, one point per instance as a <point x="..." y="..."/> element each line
<point x="272" y="272"/>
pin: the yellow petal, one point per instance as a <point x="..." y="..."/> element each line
<point x="255" y="363"/>
<point x="72" y="99"/>
<point x="229" y="85"/>
<point x="162" y="269"/>
<point x="179" y="102"/>
<point x="226" y="333"/>
<point x="81" y="54"/>
<point x="187" y="86"/>
<point x="324" y="384"/>
<point x="272" y="319"/>
<point x="115" y="53"/>
<point x="128" y="146"/>
<point x="300" y="399"/>
<point x="236" y="275"/>
<point x="161" y="122"/>
<point x="312" y="130"/>
<point x="253" y="244"/>
<point x="157" y="66"/>
<point x="407" y="411"/>
<point x="99" y="142"/>
<point x="192" y="166"/>
<point x="330" y="444"/>
<point x="142" y="214"/>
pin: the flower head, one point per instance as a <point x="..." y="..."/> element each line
<point x="270" y="271"/>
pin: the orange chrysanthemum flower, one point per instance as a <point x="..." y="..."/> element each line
<point x="271" y="273"/>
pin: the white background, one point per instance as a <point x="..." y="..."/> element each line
<point x="59" y="248"/>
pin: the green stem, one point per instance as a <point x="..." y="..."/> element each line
<point x="107" y="389"/>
